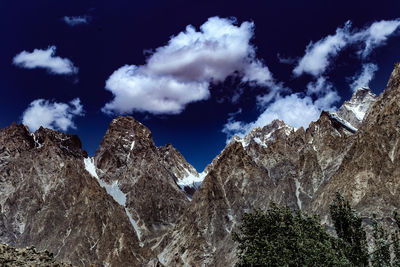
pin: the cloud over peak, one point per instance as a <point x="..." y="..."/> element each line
<point x="363" y="78"/>
<point x="53" y="115"/>
<point x="45" y="59"/>
<point x="180" y="72"/>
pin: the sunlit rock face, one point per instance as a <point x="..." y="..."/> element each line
<point x="356" y="108"/>
<point x="49" y="200"/>
<point x="135" y="204"/>
<point x="369" y="175"/>
<point x="148" y="177"/>
<point x="354" y="151"/>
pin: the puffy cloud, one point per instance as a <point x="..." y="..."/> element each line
<point x="45" y="59"/>
<point x="362" y="79"/>
<point x="318" y="56"/>
<point x="180" y="72"/>
<point x="52" y="115"/>
<point x="77" y="20"/>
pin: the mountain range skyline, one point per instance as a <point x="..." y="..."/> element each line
<point x="195" y="80"/>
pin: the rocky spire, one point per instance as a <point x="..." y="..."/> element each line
<point x="354" y="110"/>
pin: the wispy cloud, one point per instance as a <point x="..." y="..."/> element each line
<point x="45" y="59"/>
<point x="363" y="78"/>
<point x="76" y="20"/>
<point x="285" y="60"/>
<point x="375" y="35"/>
<point x="319" y="55"/>
<point x="181" y="72"/>
<point x="52" y="115"/>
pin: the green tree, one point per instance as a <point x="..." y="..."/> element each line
<point x="281" y="237"/>
<point x="396" y="240"/>
<point x="351" y="234"/>
<point x="381" y="254"/>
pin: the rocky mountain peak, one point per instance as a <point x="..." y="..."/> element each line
<point x="123" y="138"/>
<point x="354" y="110"/>
<point x="186" y="175"/>
<point x="69" y="143"/>
<point x="16" y="138"/>
<point x="267" y="134"/>
<point x="128" y="161"/>
<point x="394" y="80"/>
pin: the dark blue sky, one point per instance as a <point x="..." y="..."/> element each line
<point x="118" y="33"/>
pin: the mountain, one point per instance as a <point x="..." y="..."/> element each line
<point x="354" y="110"/>
<point x="369" y="175"/>
<point x="274" y="163"/>
<point x="293" y="167"/>
<point x="188" y="179"/>
<point x="136" y="204"/>
<point x="49" y="200"/>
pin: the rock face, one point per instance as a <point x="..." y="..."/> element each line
<point x="274" y="163"/>
<point x="188" y="179"/>
<point x="369" y="175"/>
<point x="13" y="257"/>
<point x="354" y="151"/>
<point x="144" y="173"/>
<point x="355" y="110"/>
<point x="49" y="200"/>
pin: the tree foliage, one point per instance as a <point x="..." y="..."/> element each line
<point x="349" y="229"/>
<point x="280" y="237"/>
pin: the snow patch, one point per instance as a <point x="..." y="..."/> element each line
<point x="37" y="144"/>
<point x="342" y="121"/>
<point x="358" y="110"/>
<point x="258" y="141"/>
<point x="392" y="152"/>
<point x="113" y="190"/>
<point x="89" y="166"/>
<point x="135" y="226"/>
<point x="298" y="193"/>
<point x="133" y="144"/>
<point x="191" y="180"/>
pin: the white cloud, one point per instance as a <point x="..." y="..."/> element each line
<point x="76" y="20"/>
<point x="45" y="59"/>
<point x="318" y="56"/>
<point x="376" y="35"/>
<point x="293" y="109"/>
<point x="52" y="115"/>
<point x="363" y="78"/>
<point x="180" y="72"/>
<point x="319" y="86"/>
<point x="297" y="110"/>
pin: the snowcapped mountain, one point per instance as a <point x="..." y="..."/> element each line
<point x="354" y="110"/>
<point x="135" y="204"/>
<point x="188" y="179"/>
